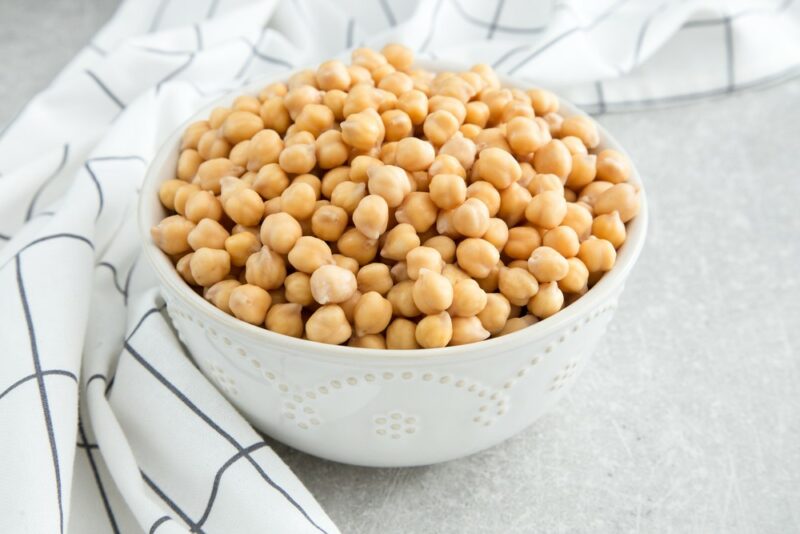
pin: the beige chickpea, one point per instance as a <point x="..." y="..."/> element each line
<point x="468" y="330"/>
<point x="547" y="209"/>
<point x="589" y="194"/>
<point x="371" y="215"/>
<point x="241" y="125"/>
<point x="332" y="284"/>
<point x="579" y="219"/>
<point x="446" y="164"/>
<point x="563" y="239"/>
<point x="498" y="167"/>
<point x="209" y="234"/>
<point x="374" y="277"/>
<point x="356" y="245"/>
<point x="613" y="166"/>
<point x="182" y="195"/>
<point x="272" y="206"/>
<point x="518" y="323"/>
<point x="333" y="75"/>
<point x="574" y="145"/>
<point x="522" y="241"/>
<point x="328" y="325"/>
<point x="486" y="193"/>
<point x="396" y="83"/>
<point x="286" y="319"/>
<point x="553" y="122"/>
<point x="399" y="56"/>
<point x="400" y="334"/>
<point x="265" y="268"/>
<point x="471" y="219"/>
<point x="495" y="314"/>
<point x="547" y="301"/>
<point x="423" y="258"/>
<point x="622" y="198"/>
<point x="203" y="205"/>
<point x="543" y="101"/>
<point x="524" y="135"/>
<point x="445" y="245"/>
<point x="302" y="78"/>
<point x="399" y="272"/>
<point x="448" y="191"/>
<point x="330" y="150"/>
<point x="239" y="153"/>
<point x="245" y="207"/>
<point x="490" y="282"/>
<point x="363" y="130"/>
<point x="264" y="148"/>
<point x="432" y="292"/>
<point x="397" y="124"/>
<point x="414" y="154"/>
<point x="209" y="266"/>
<point x="167" y="191"/>
<point x="517" y="109"/>
<point x="360" y="167"/>
<point x="390" y="182"/>
<point x="298" y="159"/>
<point x="461" y="148"/>
<point x="453" y="272"/>
<point x="547" y="265"/>
<point x="347" y="195"/>
<point x="582" y="127"/>
<point x="452" y="105"/>
<point x="415" y="104"/>
<point x="434" y="331"/>
<point x="402" y="299"/>
<point x="570" y="195"/>
<point x="477" y="113"/>
<point x="609" y="226"/>
<point x="183" y="266"/>
<point x="270" y="181"/>
<point x="496" y="99"/>
<point x="219" y="294"/>
<point x="312" y="180"/>
<point x="514" y="200"/>
<point x="298" y="200"/>
<point x="388" y="154"/>
<point x="249" y="303"/>
<point x="487" y="73"/>
<point x="240" y="246"/>
<point x="172" y="234"/>
<point x="372" y="313"/>
<point x="553" y="158"/>
<point x="492" y="138"/>
<point x="545" y="182"/>
<point x="349" y="306"/>
<point x="272" y="90"/>
<point x="211" y="146"/>
<point x="584" y="170"/>
<point x="367" y="58"/>
<point x="477" y="257"/>
<point x="468" y="298"/>
<point x="346" y="263"/>
<point x="335" y="100"/>
<point x="298" y="98"/>
<point x="188" y="163"/>
<point x="211" y="171"/>
<point x="193" y="133"/>
<point x="280" y="232"/>
<point x="329" y="222"/>
<point x="368" y="341"/>
<point x="275" y="115"/>
<point x="309" y="254"/>
<point x="332" y="178"/>
<point x="440" y="126"/>
<point x="497" y="233"/>
<point x="297" y="288"/>
<point x="399" y="241"/>
<point x="418" y="210"/>
<point x="576" y="279"/>
<point x="517" y="285"/>
<point x="314" y="118"/>
<point x="598" y="255"/>
<point x="295" y="136"/>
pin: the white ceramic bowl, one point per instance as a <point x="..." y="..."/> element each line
<point x="390" y="407"/>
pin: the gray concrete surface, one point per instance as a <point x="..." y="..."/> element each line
<point x="688" y="417"/>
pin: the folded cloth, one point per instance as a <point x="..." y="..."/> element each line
<point x="107" y="425"/>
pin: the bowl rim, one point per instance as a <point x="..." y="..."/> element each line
<point x="608" y="285"/>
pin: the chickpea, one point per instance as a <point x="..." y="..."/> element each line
<point x="477" y="257"/>
<point x="298" y="200"/>
<point x="477" y="113"/>
<point x="446" y="164"/>
<point x="280" y="232"/>
<point x="299" y="97"/>
<point x="265" y="268"/>
<point x="517" y="109"/>
<point x="610" y="227"/>
<point x="522" y="241"/>
<point x="301" y="78"/>
<point x="184" y="269"/>
<point x="356" y="245"/>
<point x="298" y="158"/>
<point x="314" y="118"/>
<point x="545" y="182"/>
<point x="597" y="254"/>
<point x="219" y="294"/>
<point x="553" y="121"/>
<point x="209" y="234"/>
<point x="547" y="301"/>
<point x="399" y="272"/>
<point x="543" y="101"/>
<point x="211" y="171"/>
<point x="203" y="205"/>
<point x="414" y="154"/>
<point x="576" y="279"/>
<point x="401" y="334"/>
<point x="368" y="341"/>
<point x="193" y="133"/>
<point x="524" y="135"/>
<point x="360" y="167"/>
<point x="495" y="314"/>
<point x="553" y="158"/>
<point x="371" y="216"/>
<point x="547" y="209"/>
<point x="332" y="178"/>
<point x="496" y="99"/>
<point x="423" y="258"/>
<point x="286" y="319"/>
<point x="332" y="284"/>
<point x="468" y="298"/>
<point x="245" y="207"/>
<point x="514" y="200"/>
<point x="209" y="266"/>
<point x="272" y="90"/>
<point x="402" y="299"/>
<point x="468" y="330"/>
<point x="434" y="331"/>
<point x="517" y="285"/>
<point x="432" y="292"/>
<point x="388" y="154"/>
<point x="497" y="233"/>
<point x="583" y="128"/>
<point x="309" y="254"/>
<point x="491" y="282"/>
<point x="451" y="104"/>
<point x="570" y="195"/>
<point x="397" y="124"/>
<point x="418" y="210"/>
<point x="297" y="288"/>
<point x="240" y="246"/>
<point x="440" y="126"/>
<point x="562" y="239"/>
<point x="613" y="166"/>
<point x="363" y="130"/>
<point x="589" y="194"/>
<point x="390" y="182"/>
<point x="584" y="169"/>
<point x="547" y="265"/>
<point x="486" y="193"/>
<point x="579" y="219"/>
<point x="471" y="218"/>
<point x="270" y="181"/>
<point x="211" y="146"/>
<point x="249" y="303"/>
<point x="396" y="83"/>
<point x="272" y="206"/>
<point x="487" y="73"/>
<point x="349" y="306"/>
<point x="264" y="148"/>
<point x="518" y="323"/>
<point x="448" y="191"/>
<point x="492" y="138"/>
<point x="333" y="75"/>
<point x="374" y="277"/>
<point x="241" y="125"/>
<point x="461" y="148"/>
<point x="399" y="241"/>
<point x="275" y="115"/>
<point x="444" y="245"/>
<point x="622" y="198"/>
<point x="415" y="104"/>
<point x="498" y="167"/>
<point x="172" y="234"/>
<point x="372" y="313"/>
<point x="328" y="325"/>
<point x="399" y="56"/>
<point x="329" y="222"/>
<point x="347" y="195"/>
<point x="167" y="192"/>
<point x="330" y="150"/>
<point x="188" y="163"/>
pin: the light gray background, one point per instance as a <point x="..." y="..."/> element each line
<point x="688" y="417"/>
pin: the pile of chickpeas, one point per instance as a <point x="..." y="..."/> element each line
<point x="384" y="206"/>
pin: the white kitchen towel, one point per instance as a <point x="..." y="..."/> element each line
<point x="106" y="424"/>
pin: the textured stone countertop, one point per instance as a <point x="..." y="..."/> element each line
<point x="687" y="418"/>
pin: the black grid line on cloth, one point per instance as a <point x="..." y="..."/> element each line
<point x="218" y="477"/>
<point x="100" y="200"/>
<point x="158" y="522"/>
<point x="43" y="186"/>
<point x="387" y="11"/>
<point x="744" y="13"/>
<point x="182" y="67"/>
<point x="106" y="504"/>
<point x="432" y="28"/>
<point x="113" y="270"/>
<point x="497" y="26"/>
<point x="729" y="54"/>
<point x="351" y="23"/>
<point x="5" y="237"/>
<point x="37" y="365"/>
<point x="644" y="28"/>
<point x="93" y="176"/>
<point x="48" y="238"/>
<point x="198" y="34"/>
<point x="601" y="98"/>
<point x="212" y="8"/>
<point x="495" y="19"/>
<point x="600" y="18"/>
<point x="173" y="506"/>
<point x="100" y="51"/>
<point x="87" y="445"/>
<point x="105" y="89"/>
<point x="256" y="53"/>
<point x="24" y="379"/>
<point x="159" y="13"/>
<point x="211" y="423"/>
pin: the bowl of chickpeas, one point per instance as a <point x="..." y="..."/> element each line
<point x="390" y="262"/>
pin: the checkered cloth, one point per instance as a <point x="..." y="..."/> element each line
<point x="106" y="424"/>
